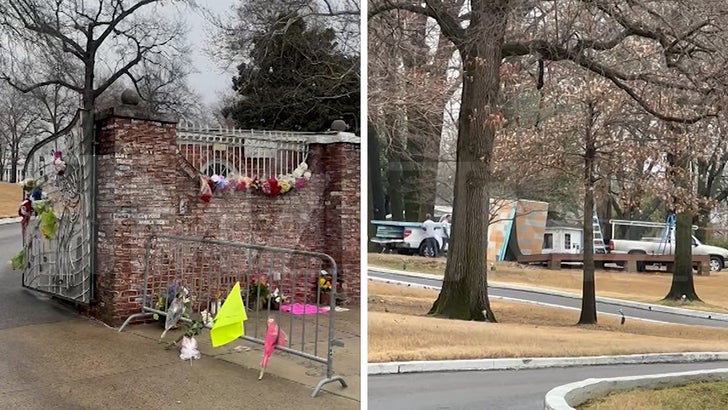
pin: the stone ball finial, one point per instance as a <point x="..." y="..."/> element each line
<point x="130" y="97"/>
<point x="339" y="125"/>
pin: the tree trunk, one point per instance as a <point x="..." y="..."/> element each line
<point x="412" y="178"/>
<point x="13" y="168"/>
<point x="375" y="173"/>
<point x="431" y="158"/>
<point x="376" y="190"/>
<point x="394" y="186"/>
<point x="464" y="293"/>
<point x="588" y="293"/>
<point x="394" y="165"/>
<point x="702" y="220"/>
<point x="417" y="130"/>
<point x="682" y="276"/>
<point x="603" y="203"/>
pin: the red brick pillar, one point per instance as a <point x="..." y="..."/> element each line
<point x="340" y="162"/>
<point x="136" y="167"/>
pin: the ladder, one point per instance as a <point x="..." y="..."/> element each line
<point x="598" y="238"/>
<point x="667" y="236"/>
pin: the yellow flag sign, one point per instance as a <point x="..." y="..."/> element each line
<point x="228" y="322"/>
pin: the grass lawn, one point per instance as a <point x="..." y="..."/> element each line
<point x="400" y="330"/>
<point x="704" y="396"/>
<point x="646" y="287"/>
<point x="10" y="198"/>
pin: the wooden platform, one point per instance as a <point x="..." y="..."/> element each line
<point x="554" y="260"/>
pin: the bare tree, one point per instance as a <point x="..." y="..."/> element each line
<point x="583" y="132"/>
<point x="20" y="123"/>
<point x="103" y="40"/>
<point x="163" y="87"/>
<point x="247" y="18"/>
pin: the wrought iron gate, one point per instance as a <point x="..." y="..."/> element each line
<point x="62" y="265"/>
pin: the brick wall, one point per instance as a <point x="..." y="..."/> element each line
<point x="144" y="187"/>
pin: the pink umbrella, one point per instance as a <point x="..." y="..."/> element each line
<point x="274" y="336"/>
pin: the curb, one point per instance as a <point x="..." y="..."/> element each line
<point x="539" y="362"/>
<point x="6" y="221"/>
<point x="574" y="394"/>
<point x="723" y="317"/>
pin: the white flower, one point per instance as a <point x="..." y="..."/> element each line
<point x="303" y="166"/>
<point x="307" y="175"/>
<point x="188" y="349"/>
<point x="297" y="173"/>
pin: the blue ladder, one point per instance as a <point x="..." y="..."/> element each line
<point x="667" y="236"/>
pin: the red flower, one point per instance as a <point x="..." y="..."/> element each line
<point x="275" y="189"/>
<point x="205" y="190"/>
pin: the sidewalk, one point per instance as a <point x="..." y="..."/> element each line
<point x="82" y="364"/>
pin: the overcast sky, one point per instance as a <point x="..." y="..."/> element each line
<point x="209" y="80"/>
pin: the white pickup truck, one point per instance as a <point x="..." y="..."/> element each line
<point x="658" y="246"/>
<point x="407" y="237"/>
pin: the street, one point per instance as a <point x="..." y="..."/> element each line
<point x="495" y="390"/>
<point x="20" y="307"/>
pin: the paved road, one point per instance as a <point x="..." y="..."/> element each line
<point x="602" y="307"/>
<point x="495" y="390"/>
<point x="19" y="306"/>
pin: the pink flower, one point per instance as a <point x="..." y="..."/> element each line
<point x="300" y="182"/>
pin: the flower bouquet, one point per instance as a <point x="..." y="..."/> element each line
<point x="258" y="291"/>
<point x="325" y="286"/>
<point x="164" y="302"/>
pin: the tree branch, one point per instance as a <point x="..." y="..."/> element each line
<point x="118" y="19"/>
<point x="29" y="88"/>
<point x="435" y="9"/>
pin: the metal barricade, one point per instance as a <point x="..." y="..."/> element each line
<point x="209" y="268"/>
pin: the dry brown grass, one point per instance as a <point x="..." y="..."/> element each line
<point x="10" y="198"/>
<point x="645" y="287"/>
<point x="400" y="330"/>
<point x="704" y="396"/>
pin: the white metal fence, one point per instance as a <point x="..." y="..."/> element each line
<point x="251" y="153"/>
